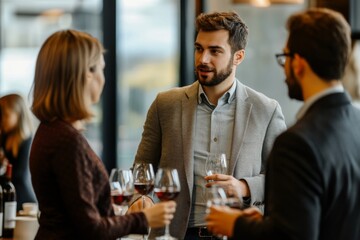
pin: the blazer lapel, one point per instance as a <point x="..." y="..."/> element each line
<point x="189" y="105"/>
<point x="242" y="115"/>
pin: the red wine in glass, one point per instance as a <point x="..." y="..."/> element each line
<point x="122" y="199"/>
<point x="144" y="188"/>
<point x="166" y="195"/>
<point x="167" y="187"/>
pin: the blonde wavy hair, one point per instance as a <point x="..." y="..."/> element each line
<point x="60" y="75"/>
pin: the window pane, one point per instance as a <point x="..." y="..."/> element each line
<point x="148" y="51"/>
<point x="24" y="26"/>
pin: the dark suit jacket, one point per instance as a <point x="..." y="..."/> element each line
<point x="313" y="178"/>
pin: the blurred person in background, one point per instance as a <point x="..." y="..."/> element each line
<point x="313" y="172"/>
<point x="16" y="135"/>
<point x="69" y="179"/>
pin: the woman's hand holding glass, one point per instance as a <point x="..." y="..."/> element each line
<point x="167" y="188"/>
<point x="160" y="214"/>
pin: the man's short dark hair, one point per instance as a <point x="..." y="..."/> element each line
<point x="323" y="37"/>
<point x="229" y="21"/>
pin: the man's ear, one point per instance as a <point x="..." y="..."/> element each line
<point x="299" y="64"/>
<point x="239" y="57"/>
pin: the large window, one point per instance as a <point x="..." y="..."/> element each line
<point x="147" y="57"/>
<point x="24" y="26"/>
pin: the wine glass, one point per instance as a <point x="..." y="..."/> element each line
<point x="167" y="187"/>
<point x="224" y="196"/>
<point x="234" y="198"/>
<point x="216" y="163"/>
<point x="143" y="181"/>
<point x="122" y="188"/>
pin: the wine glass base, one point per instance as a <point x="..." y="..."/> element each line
<point x="164" y="237"/>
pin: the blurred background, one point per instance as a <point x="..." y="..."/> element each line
<point x="149" y="49"/>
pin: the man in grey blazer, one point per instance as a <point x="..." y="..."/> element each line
<point x="217" y="113"/>
<point x="313" y="172"/>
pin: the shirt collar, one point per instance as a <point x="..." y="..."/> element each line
<point x="227" y="97"/>
<point x="308" y="103"/>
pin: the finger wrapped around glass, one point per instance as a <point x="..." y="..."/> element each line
<point x="167" y="187"/>
<point x="122" y="188"/>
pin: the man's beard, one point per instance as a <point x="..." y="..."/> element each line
<point x="294" y="88"/>
<point x="217" y="78"/>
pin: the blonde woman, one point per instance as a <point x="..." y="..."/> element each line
<point x="69" y="179"/>
<point x="16" y="135"/>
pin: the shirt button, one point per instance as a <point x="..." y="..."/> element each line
<point x="215" y="139"/>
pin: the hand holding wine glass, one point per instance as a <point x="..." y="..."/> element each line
<point x="224" y="196"/>
<point x="167" y="187"/>
<point x="143" y="181"/>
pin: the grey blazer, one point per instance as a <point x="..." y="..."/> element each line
<point x="167" y="141"/>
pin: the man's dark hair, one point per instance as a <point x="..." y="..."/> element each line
<point x="229" y="21"/>
<point x="323" y="37"/>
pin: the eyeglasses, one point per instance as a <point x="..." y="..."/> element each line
<point x="281" y="58"/>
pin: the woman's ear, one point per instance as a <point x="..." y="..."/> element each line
<point x="239" y="57"/>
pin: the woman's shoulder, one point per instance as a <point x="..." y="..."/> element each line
<point x="57" y="132"/>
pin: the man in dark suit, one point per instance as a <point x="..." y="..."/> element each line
<point x="312" y="187"/>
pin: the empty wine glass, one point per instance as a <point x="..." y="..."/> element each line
<point x="167" y="187"/>
<point x="224" y="196"/>
<point x="216" y="163"/>
<point x="216" y="197"/>
<point x="233" y="197"/>
<point x="122" y="188"/>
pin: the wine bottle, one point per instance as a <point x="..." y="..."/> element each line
<point x="1" y="212"/>
<point x="3" y="164"/>
<point x="9" y="199"/>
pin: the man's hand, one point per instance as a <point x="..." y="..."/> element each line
<point x="221" y="219"/>
<point x="227" y="181"/>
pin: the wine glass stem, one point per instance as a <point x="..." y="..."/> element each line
<point x="145" y="237"/>
<point x="167" y="232"/>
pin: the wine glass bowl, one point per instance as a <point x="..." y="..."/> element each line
<point x="225" y="196"/>
<point x="143" y="178"/>
<point x="167" y="187"/>
<point x="216" y="163"/>
<point x="234" y="198"/>
<point x="121" y="186"/>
